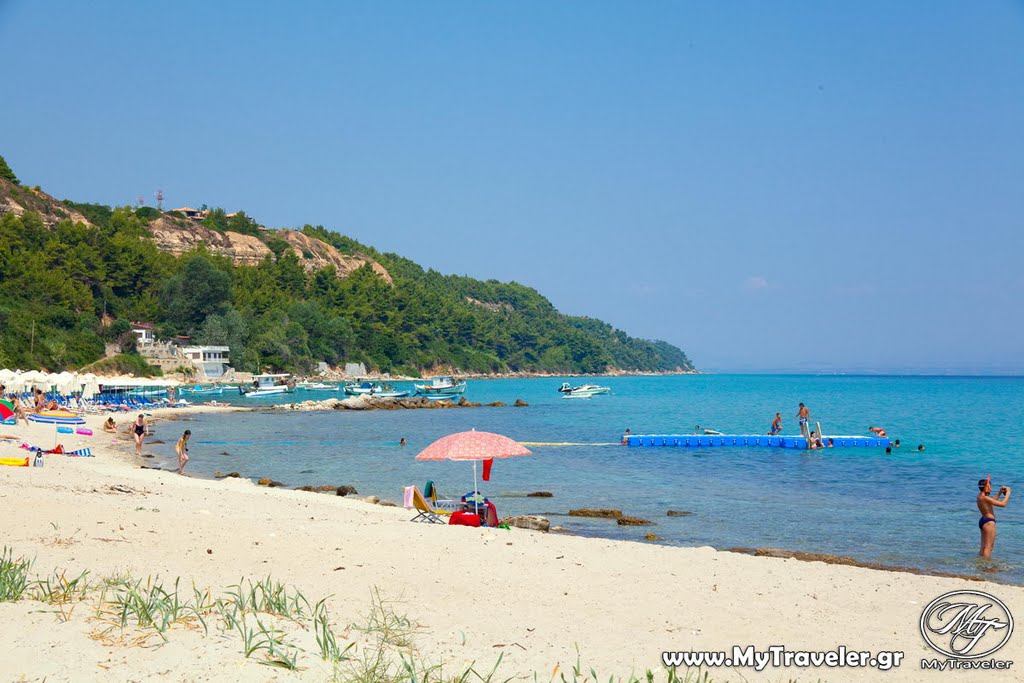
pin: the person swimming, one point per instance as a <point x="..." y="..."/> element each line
<point x="877" y="431"/>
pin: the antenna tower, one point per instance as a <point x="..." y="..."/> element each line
<point x="160" y="200"/>
<point x="141" y="200"/>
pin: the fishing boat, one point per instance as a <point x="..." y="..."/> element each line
<point x="582" y="391"/>
<point x="441" y="386"/>
<point x="367" y="388"/>
<point x="267" y="385"/>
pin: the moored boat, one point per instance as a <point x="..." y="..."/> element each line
<point x="367" y="388"/>
<point x="267" y="385"/>
<point x="445" y="385"/>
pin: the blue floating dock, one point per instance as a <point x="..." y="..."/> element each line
<point x="746" y="440"/>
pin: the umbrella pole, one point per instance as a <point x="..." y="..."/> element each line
<point x="476" y="501"/>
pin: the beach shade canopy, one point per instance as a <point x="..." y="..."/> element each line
<point x="472" y="446"/>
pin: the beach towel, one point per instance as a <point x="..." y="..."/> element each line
<point x="58" y="449"/>
<point x="429" y="490"/>
<point x="487" y="468"/>
<point x="81" y="453"/>
<point x="491" y="514"/>
<point x="407" y="497"/>
<point x="14" y="462"/>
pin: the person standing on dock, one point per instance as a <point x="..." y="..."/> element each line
<point x="987" y="523"/>
<point x="776" y="425"/>
<point x="803" y="415"/>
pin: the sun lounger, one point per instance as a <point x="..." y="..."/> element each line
<point x="414" y="500"/>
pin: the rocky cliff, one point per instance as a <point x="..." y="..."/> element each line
<point x="179" y="235"/>
<point x="18" y="199"/>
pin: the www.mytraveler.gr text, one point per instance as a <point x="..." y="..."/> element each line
<point x="779" y="656"/>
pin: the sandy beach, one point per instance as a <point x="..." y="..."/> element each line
<point x="461" y="596"/>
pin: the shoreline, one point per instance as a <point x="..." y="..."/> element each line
<point x="385" y="499"/>
<point x="474" y="593"/>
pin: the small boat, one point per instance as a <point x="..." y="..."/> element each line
<point x="267" y="385"/>
<point x="582" y="391"/>
<point x="316" y="386"/>
<point x="439" y="397"/>
<point x="205" y="391"/>
<point x="366" y="388"/>
<point x="441" y="386"/>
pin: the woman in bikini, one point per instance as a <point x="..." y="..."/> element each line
<point x="987" y="523"/>
<point x="139" y="431"/>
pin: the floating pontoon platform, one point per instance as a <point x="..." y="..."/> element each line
<point x="720" y="440"/>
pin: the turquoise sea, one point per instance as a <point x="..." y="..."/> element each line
<point x="910" y="508"/>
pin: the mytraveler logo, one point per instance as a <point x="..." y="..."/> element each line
<point x="966" y="624"/>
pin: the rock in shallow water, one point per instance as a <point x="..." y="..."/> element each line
<point x="540" y="494"/>
<point x="632" y="521"/>
<point x="678" y="513"/>
<point x="532" y="522"/>
<point x="603" y="513"/>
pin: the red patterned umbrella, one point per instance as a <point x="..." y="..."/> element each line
<point x="473" y="446"/>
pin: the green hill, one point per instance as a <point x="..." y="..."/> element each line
<point x="72" y="276"/>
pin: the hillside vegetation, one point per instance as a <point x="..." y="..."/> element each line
<point x="72" y="276"/>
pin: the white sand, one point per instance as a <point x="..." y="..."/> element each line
<point x="475" y="593"/>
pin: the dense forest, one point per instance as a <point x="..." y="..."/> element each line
<point x="69" y="288"/>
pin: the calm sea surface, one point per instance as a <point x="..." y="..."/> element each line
<point x="911" y="508"/>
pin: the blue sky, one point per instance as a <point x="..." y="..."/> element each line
<point x="770" y="186"/>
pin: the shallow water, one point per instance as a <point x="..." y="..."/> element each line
<point x="911" y="508"/>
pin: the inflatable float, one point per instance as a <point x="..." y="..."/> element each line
<point x="58" y="417"/>
<point x="15" y="462"/>
<point x="83" y="431"/>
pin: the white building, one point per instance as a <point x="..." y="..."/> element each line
<point x="212" y="361"/>
<point x="144" y="333"/>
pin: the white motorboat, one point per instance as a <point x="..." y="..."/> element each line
<point x="267" y="385"/>
<point x="582" y="391"/>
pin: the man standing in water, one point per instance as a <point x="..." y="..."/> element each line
<point x="182" y="448"/>
<point x="987" y="523"/>
<point x="803" y="415"/>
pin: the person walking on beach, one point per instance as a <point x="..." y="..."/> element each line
<point x="776" y="424"/>
<point x="139" y="431"/>
<point x="987" y="523"/>
<point x="182" y="448"/>
<point x="803" y="415"/>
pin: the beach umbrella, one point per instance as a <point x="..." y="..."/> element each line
<point x="6" y="410"/>
<point x="473" y="446"/>
<point x="90" y="385"/>
<point x="64" y="383"/>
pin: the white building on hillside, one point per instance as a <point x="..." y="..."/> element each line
<point x="211" y="360"/>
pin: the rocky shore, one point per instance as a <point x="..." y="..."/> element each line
<point x="379" y="403"/>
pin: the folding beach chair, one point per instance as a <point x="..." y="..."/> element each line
<point x="414" y="500"/>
